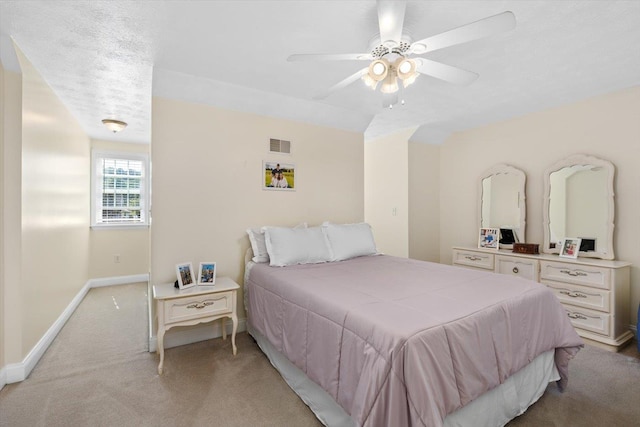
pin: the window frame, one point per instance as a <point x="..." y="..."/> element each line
<point x="97" y="188"/>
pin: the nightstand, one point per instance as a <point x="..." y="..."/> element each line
<point x="198" y="304"/>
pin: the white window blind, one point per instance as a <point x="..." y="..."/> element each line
<point x="119" y="189"/>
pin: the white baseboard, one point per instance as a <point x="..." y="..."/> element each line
<point x="180" y="336"/>
<point x="3" y="377"/>
<point x="16" y="372"/>
<point x="118" y="280"/>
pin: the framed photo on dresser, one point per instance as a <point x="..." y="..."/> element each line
<point x="569" y="247"/>
<point x="489" y="238"/>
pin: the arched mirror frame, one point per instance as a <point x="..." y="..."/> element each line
<point x="580" y="160"/>
<point x="521" y="177"/>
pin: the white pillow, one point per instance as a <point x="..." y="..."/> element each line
<point x="290" y="246"/>
<point x="349" y="240"/>
<point x="258" y="245"/>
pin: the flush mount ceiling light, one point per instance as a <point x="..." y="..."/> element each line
<point x="114" y="125"/>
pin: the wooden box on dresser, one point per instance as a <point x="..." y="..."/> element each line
<point x="594" y="292"/>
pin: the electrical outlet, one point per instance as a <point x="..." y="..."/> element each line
<point x="116" y="258"/>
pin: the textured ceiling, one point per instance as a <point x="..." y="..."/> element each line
<point x="106" y="59"/>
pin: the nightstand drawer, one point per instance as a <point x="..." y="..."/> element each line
<point x="580" y="296"/>
<point x="474" y="259"/>
<point x="176" y="310"/>
<point x="520" y="267"/>
<point x="579" y="274"/>
<point x="589" y="320"/>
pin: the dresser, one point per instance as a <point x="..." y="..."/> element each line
<point x="595" y="293"/>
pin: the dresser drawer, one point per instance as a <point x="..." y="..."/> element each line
<point x="176" y="310"/>
<point x="520" y="267"/>
<point x="473" y="259"/>
<point x="579" y="274"/>
<point x="589" y="320"/>
<point x="581" y="296"/>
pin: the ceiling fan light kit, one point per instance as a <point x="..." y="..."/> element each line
<point x="392" y="50"/>
<point x="378" y="69"/>
<point x="390" y="84"/>
<point x="406" y="67"/>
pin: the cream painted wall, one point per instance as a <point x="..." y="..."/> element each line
<point x="55" y="207"/>
<point x="606" y="126"/>
<point x="132" y="245"/>
<point x="2" y="181"/>
<point x="386" y="189"/>
<point x="424" y="200"/>
<point x="207" y="183"/>
<point x="11" y="271"/>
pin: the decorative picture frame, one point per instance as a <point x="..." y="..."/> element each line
<point x="489" y="238"/>
<point x="207" y="273"/>
<point x="569" y="247"/>
<point x="186" y="278"/>
<point x="278" y="176"/>
<point x="508" y="236"/>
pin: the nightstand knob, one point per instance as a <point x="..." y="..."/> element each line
<point x="515" y="270"/>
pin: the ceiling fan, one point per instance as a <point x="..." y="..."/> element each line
<point x="395" y="56"/>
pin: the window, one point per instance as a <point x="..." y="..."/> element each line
<point x="119" y="189"/>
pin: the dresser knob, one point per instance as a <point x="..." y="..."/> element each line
<point x="515" y="270"/>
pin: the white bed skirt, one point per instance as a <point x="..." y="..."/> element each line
<point x="494" y="408"/>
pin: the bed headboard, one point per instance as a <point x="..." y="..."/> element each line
<point x="248" y="255"/>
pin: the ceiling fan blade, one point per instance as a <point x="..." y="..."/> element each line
<point x="476" y="30"/>
<point x="445" y="72"/>
<point x="391" y="19"/>
<point x="342" y="84"/>
<point x="330" y="57"/>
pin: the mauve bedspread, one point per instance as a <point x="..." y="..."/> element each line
<point x="399" y="342"/>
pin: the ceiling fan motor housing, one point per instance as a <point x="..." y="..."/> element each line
<point x="378" y="50"/>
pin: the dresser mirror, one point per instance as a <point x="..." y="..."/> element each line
<point x="502" y="200"/>
<point x="578" y="202"/>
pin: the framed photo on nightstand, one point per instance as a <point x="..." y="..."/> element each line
<point x="186" y="278"/>
<point x="207" y="273"/>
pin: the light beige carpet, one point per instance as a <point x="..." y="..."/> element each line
<point x="98" y="372"/>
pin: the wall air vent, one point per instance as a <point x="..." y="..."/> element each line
<point x="279" y="146"/>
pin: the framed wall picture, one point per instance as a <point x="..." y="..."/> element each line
<point x="489" y="238"/>
<point x="569" y="247"/>
<point x="278" y="176"/>
<point x="207" y="273"/>
<point x="186" y="278"/>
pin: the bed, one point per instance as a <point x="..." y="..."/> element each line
<point x="379" y="340"/>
